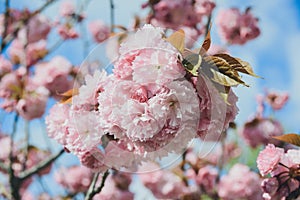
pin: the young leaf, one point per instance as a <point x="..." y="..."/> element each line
<point x="291" y="138"/>
<point x="206" y="44"/>
<point x="68" y="95"/>
<point x="246" y="68"/>
<point x="220" y="67"/>
<point x="177" y="40"/>
<point x="224" y="80"/>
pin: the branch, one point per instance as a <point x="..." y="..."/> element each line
<point x="112" y="15"/>
<point x="42" y="165"/>
<point x="6" y="18"/>
<point x="207" y="27"/>
<point x="4" y="167"/>
<point x="13" y="180"/>
<point x="43" y="7"/>
<point x="6" y="39"/>
<point x="92" y="189"/>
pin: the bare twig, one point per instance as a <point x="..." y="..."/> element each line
<point x="42" y="165"/>
<point x="7" y="38"/>
<point x="207" y="27"/>
<point x="112" y="16"/>
<point x="4" y="167"/>
<point x="6" y="18"/>
<point x="93" y="190"/>
<point x="26" y="139"/>
<point x="42" y="8"/>
<point x="13" y="180"/>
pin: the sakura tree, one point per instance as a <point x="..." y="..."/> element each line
<point x="149" y="111"/>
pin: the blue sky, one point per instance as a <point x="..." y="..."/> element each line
<point x="274" y="55"/>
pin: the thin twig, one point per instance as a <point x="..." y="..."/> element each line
<point x="207" y="27"/>
<point x="4" y="167"/>
<point x="112" y="16"/>
<point x="6" y="39"/>
<point x="26" y="139"/>
<point x="6" y="18"/>
<point x="42" y="165"/>
<point x="43" y="7"/>
<point x="13" y="180"/>
<point x="93" y="190"/>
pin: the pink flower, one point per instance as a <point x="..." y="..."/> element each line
<point x="88" y="92"/>
<point x="269" y="158"/>
<point x="173" y="13"/>
<point x="67" y="31"/>
<point x="16" y="52"/>
<point x="147" y="58"/>
<point x="236" y="27"/>
<point x="54" y="75"/>
<point x="261" y="130"/>
<point x="33" y="103"/>
<point x="8" y="84"/>
<point x="204" y="7"/>
<point x="37" y="29"/>
<point x="240" y="183"/>
<point x="34" y="157"/>
<point x="269" y="187"/>
<point x="93" y="159"/>
<point x="88" y="128"/>
<point x="294" y="156"/>
<point x="160" y="116"/>
<point x="75" y="178"/>
<point x="57" y="122"/>
<point x="99" y="30"/>
<point x="277" y="100"/>
<point x="5" y="66"/>
<point x="14" y="16"/>
<point x="112" y="190"/>
<point x="5" y="144"/>
<point x="162" y="183"/>
<point x="36" y="51"/>
<point x="207" y="179"/>
<point x="67" y="8"/>
<point x="215" y="114"/>
<point x="29" y="55"/>
<point x="10" y="91"/>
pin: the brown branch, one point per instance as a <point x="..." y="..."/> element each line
<point x="6" y="18"/>
<point x="207" y="27"/>
<point x="92" y="191"/>
<point x="6" y="39"/>
<point x="13" y="180"/>
<point x="4" y="167"/>
<point x="42" y="8"/>
<point x="42" y="165"/>
<point x="112" y="16"/>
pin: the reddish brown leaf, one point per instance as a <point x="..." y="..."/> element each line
<point x="177" y="40"/>
<point x="291" y="138"/>
<point x="206" y="44"/>
<point x="67" y="96"/>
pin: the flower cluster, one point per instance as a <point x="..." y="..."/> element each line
<point x="260" y="129"/>
<point x="236" y="27"/>
<point x="283" y="169"/>
<point x="175" y="14"/>
<point x="144" y="110"/>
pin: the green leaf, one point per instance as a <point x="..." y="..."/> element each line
<point x="291" y="138"/>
